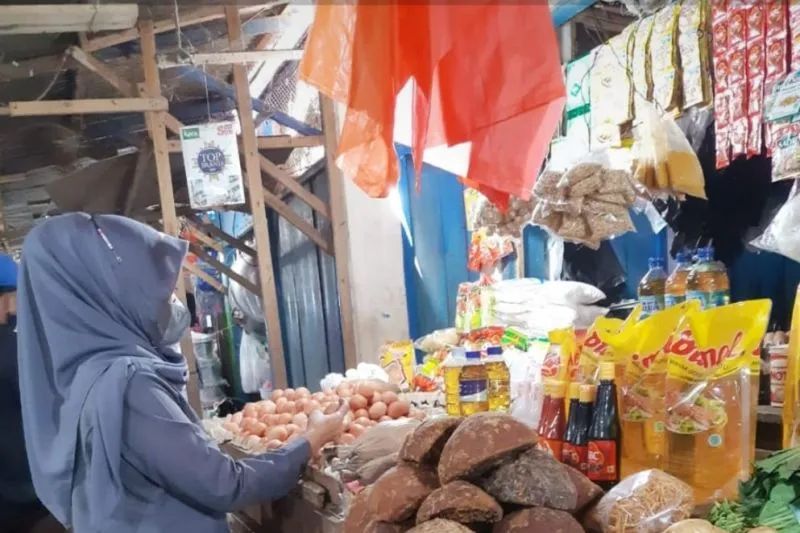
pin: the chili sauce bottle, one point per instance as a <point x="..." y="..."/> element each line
<point x="604" y="431"/>
<point x="553" y="421"/>
<point x="572" y="425"/>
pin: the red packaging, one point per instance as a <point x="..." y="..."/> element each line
<point x="756" y="70"/>
<point x="719" y="44"/>
<point x="737" y="88"/>
<point x="776" y="18"/>
<point x="737" y="25"/>
<point x="794" y="35"/>
<point x="722" y="129"/>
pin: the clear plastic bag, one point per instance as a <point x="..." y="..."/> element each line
<point x="781" y="235"/>
<point x="254" y="365"/>
<point x="645" y="502"/>
<point x="665" y="161"/>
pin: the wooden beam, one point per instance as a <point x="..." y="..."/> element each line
<point x="341" y="237"/>
<point x="288" y="181"/>
<point x="239" y="244"/>
<point x="271" y="142"/>
<point x="269" y="293"/>
<point x="286" y="211"/>
<point x="87" y="106"/>
<point x="101" y="69"/>
<point x="139" y="175"/>
<point x="224" y="269"/>
<point x="158" y="133"/>
<point x="203" y="238"/>
<point x="205" y="276"/>
<point x="61" y="18"/>
<point x="251" y="56"/>
<point x="201" y="16"/>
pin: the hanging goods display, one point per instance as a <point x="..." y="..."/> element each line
<point x="211" y="160"/>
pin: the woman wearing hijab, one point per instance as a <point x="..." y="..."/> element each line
<point x="112" y="442"/>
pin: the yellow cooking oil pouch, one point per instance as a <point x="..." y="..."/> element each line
<point x="708" y="397"/>
<point x="561" y="361"/>
<point x="593" y="349"/>
<point x="641" y="351"/>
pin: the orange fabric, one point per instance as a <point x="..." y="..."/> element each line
<point x="485" y="73"/>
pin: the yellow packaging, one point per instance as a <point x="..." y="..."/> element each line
<point x="693" y="46"/>
<point x="791" y="398"/>
<point x="640" y="348"/>
<point x="610" y="90"/>
<point x="561" y="361"/>
<point x="594" y="348"/>
<point x="709" y="407"/>
<point x="397" y="359"/>
<point x="640" y="63"/>
<point x="664" y="59"/>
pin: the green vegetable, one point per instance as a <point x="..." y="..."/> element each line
<point x="771" y="497"/>
<point x="728" y="516"/>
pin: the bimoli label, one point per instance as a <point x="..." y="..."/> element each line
<point x="603" y="460"/>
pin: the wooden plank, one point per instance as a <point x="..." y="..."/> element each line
<point x="201" y="16"/>
<point x="158" y="133"/>
<point x="270" y="142"/>
<point x="341" y="237"/>
<point x="139" y="175"/>
<point x="203" y="238"/>
<point x="289" y="141"/>
<point x="269" y="293"/>
<point x="104" y="71"/>
<point x="60" y="18"/>
<point x="224" y="269"/>
<point x="250" y="56"/>
<point x="87" y="106"/>
<point x="239" y="244"/>
<point x="288" y="181"/>
<point x="286" y="211"/>
<point x="205" y="276"/>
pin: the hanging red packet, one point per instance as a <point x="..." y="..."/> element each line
<point x="719" y="41"/>
<point x="756" y="70"/>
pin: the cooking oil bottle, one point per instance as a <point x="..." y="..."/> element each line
<point x="708" y="281"/>
<point x="452" y="373"/>
<point x="651" y="288"/>
<point x="473" y="393"/>
<point x="675" y="287"/>
<point x="498" y="380"/>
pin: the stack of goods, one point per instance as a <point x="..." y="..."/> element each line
<point x="476" y="381"/>
<point x="503" y="224"/>
<point x="750" y="51"/>
<point x="538" y="308"/>
<point x="486" y="251"/>
<point x="586" y="204"/>
<point x="482" y="471"/>
<point x="268" y="424"/>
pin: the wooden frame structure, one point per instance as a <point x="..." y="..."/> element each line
<point x="148" y="99"/>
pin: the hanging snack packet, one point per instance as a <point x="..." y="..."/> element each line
<point x="709" y="407"/>
<point x="664" y="57"/>
<point x="791" y="397"/>
<point x="641" y="349"/>
<point x="693" y="46"/>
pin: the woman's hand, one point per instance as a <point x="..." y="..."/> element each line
<point x="323" y="429"/>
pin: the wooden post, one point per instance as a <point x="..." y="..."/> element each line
<point x="341" y="239"/>
<point x="269" y="294"/>
<point x="158" y="133"/>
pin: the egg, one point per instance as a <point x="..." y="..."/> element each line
<point x="274" y="444"/>
<point x="252" y="441"/>
<point x="388" y="397"/>
<point x="280" y="401"/>
<point x="286" y="407"/>
<point x="366" y="390"/>
<point x="258" y="428"/>
<point x="311" y="406"/>
<point x="268" y="406"/>
<point x="272" y="420"/>
<point x="398" y="409"/>
<point x="301" y="419"/>
<point x="278" y="433"/>
<point x="250" y="410"/>
<point x="290" y="394"/>
<point x="347" y="438"/>
<point x="318" y="396"/>
<point x="284" y="418"/>
<point x="358" y="402"/>
<point x="302" y="392"/>
<point x="357" y="429"/>
<point x="377" y="410"/>
<point x="277" y="393"/>
<point x="377" y="397"/>
<point x="344" y="390"/>
<point x="362" y="421"/>
<point x="301" y="405"/>
<point x="293" y="428"/>
<point x="361" y="413"/>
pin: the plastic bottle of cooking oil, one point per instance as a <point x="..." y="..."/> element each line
<point x="452" y="373"/>
<point x="473" y="393"/>
<point x="708" y="281"/>
<point x="498" y="380"/>
<point x="651" y="288"/>
<point x="675" y="287"/>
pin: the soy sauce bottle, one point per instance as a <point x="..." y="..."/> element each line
<point x="604" y="432"/>
<point x="575" y="451"/>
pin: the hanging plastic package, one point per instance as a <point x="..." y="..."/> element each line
<point x="781" y="236"/>
<point x="243" y="299"/>
<point x="255" y="369"/>
<point x="490" y="89"/>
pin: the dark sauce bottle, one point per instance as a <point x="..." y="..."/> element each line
<point x="604" y="432"/>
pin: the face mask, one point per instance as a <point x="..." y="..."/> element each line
<point x="175" y="322"/>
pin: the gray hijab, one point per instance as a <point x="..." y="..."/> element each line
<point x="93" y="304"/>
